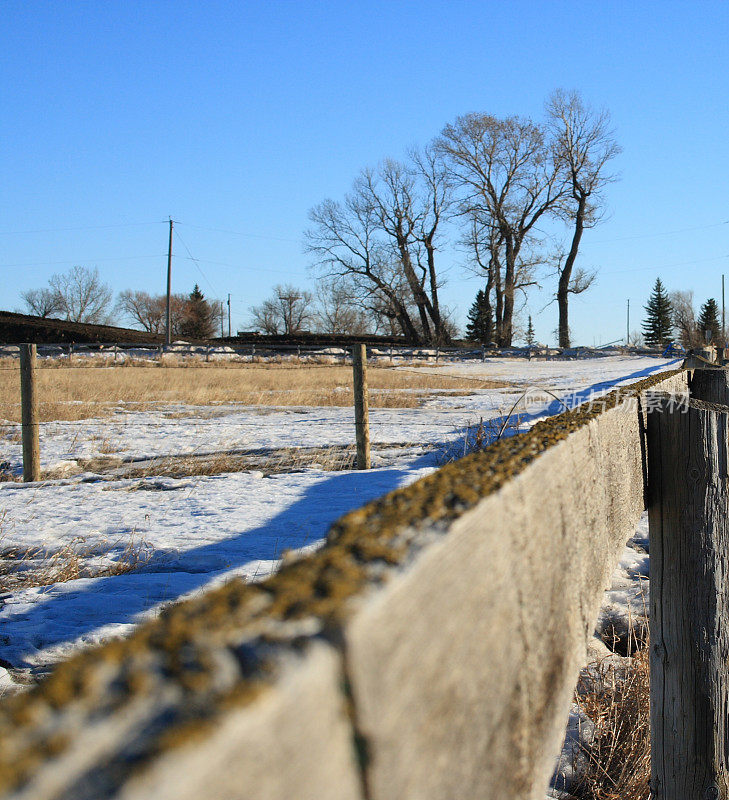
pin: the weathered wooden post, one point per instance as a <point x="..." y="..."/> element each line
<point x="29" y="413"/>
<point x="361" y="406"/>
<point x="711" y="385"/>
<point x="689" y="599"/>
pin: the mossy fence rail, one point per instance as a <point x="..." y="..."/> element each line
<point x="429" y="650"/>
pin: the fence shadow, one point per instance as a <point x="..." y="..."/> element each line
<point x="77" y="609"/>
<point x="74" y="610"/>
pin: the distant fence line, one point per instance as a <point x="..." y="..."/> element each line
<point x="245" y="351"/>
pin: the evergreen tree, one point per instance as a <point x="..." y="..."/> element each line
<point x="199" y="318"/>
<point x="709" y="327"/>
<point x="658" y="324"/>
<point x="530" y="338"/>
<point x="480" y="326"/>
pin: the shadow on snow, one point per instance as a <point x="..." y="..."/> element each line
<point x="77" y="608"/>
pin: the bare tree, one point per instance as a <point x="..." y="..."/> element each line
<point x="42" y="302"/>
<point x="82" y="296"/>
<point x="384" y="238"/>
<point x="265" y="317"/>
<point x="149" y="312"/>
<point x="484" y="244"/>
<point x="684" y="318"/>
<point x="338" y="309"/>
<point x="509" y="180"/>
<point x="290" y="310"/>
<point x="583" y="143"/>
<point x="346" y="243"/>
<point x="636" y="339"/>
<point x="143" y="309"/>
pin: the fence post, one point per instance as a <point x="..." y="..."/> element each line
<point x="29" y="413"/>
<point x="711" y="385"/>
<point x="689" y="600"/>
<point x="361" y="406"/>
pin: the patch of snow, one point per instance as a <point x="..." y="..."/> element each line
<point x="203" y="530"/>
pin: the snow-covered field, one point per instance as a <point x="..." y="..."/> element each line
<point x="189" y="533"/>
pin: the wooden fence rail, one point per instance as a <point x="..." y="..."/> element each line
<point x="428" y="652"/>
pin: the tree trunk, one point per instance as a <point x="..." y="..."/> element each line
<point x="499" y="292"/>
<point x="406" y="325"/>
<point x="512" y="253"/>
<point x="563" y="287"/>
<point x="419" y="295"/>
<point x="487" y="305"/>
<point x="442" y="335"/>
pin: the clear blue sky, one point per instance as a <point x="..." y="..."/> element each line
<point x="241" y="116"/>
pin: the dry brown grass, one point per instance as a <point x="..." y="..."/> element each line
<point x="618" y="759"/>
<point x="332" y="458"/>
<point x="72" y="394"/>
<point x="22" y="568"/>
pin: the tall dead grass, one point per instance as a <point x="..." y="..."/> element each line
<point x="22" y="568"/>
<point x="615" y="697"/>
<point x="72" y="394"/>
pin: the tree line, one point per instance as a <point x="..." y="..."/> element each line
<point x="79" y="295"/>
<point x="672" y="315"/>
<point x="495" y="182"/>
<point x="486" y="186"/>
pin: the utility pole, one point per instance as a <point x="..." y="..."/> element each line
<point x="169" y="288"/>
<point x="229" y="334"/>
<point x="723" y="319"/>
<point x="627" y="327"/>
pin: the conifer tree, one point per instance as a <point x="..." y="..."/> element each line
<point x="658" y="323"/>
<point x="530" y="338"/>
<point x="480" y="326"/>
<point x="198" y="321"/>
<point x="709" y="327"/>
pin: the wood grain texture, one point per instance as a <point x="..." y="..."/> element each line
<point x="29" y="413"/>
<point x="711" y="385"/>
<point x="361" y="406"/>
<point x="689" y="602"/>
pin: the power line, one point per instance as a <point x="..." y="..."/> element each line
<point x="75" y="261"/>
<point x="239" y="266"/>
<point x="239" y="233"/>
<point x="665" y="266"/>
<point x="196" y="262"/>
<point x="79" y="228"/>
<point x="664" y="233"/>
